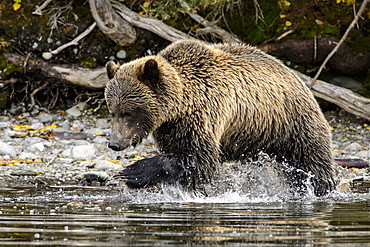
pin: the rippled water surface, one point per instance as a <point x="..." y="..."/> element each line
<point x="234" y="215"/>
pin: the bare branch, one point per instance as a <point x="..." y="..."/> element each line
<point x="38" y="10"/>
<point x="75" y="40"/>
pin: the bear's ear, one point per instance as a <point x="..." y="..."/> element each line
<point x="150" y="72"/>
<point x="111" y="69"/>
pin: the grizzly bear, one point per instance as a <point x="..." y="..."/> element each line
<point x="206" y="104"/>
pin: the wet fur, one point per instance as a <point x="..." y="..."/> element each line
<point x="206" y="104"/>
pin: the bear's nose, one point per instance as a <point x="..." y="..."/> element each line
<point x="114" y="146"/>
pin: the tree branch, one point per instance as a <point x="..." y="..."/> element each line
<point x="109" y="22"/>
<point x="75" y="40"/>
<point x="150" y="24"/>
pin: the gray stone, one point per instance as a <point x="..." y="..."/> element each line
<point x="74" y="111"/>
<point x="15" y="110"/>
<point x="5" y="124"/>
<point x="106" y="165"/>
<point x="78" y="125"/>
<point x="93" y="131"/>
<point x="32" y="140"/>
<point x="83" y="152"/>
<point x="365" y="155"/>
<point x="37" y="147"/>
<point x="25" y="155"/>
<point x="100" y="139"/>
<point x="82" y="106"/>
<point x="47" y="55"/>
<point x="353" y="147"/>
<point x="45" y="118"/>
<point x="102" y="123"/>
<point x="37" y="126"/>
<point x="66" y="153"/>
<point x="80" y="142"/>
<point x="121" y="54"/>
<point x="7" y="150"/>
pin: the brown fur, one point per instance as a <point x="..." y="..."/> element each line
<point x="206" y="104"/>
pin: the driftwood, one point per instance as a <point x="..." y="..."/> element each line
<point x="91" y="78"/>
<point x="109" y="22"/>
<point x="149" y="24"/>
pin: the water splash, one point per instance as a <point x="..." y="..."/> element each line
<point x="244" y="182"/>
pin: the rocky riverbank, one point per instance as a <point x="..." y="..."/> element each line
<point x="70" y="148"/>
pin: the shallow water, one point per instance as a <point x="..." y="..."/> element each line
<point x="237" y="212"/>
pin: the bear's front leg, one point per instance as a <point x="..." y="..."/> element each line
<point x="185" y="170"/>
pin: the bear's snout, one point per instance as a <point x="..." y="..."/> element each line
<point x="114" y="146"/>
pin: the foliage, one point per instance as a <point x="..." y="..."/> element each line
<point x="16" y="4"/>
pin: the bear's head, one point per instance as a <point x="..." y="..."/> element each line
<point x="138" y="96"/>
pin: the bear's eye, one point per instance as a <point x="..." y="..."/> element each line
<point x="125" y="114"/>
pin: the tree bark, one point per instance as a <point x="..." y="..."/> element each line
<point x="90" y="78"/>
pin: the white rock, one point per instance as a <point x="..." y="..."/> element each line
<point x="66" y="153"/>
<point x="353" y="147"/>
<point x="37" y="147"/>
<point x="100" y="139"/>
<point x="44" y="118"/>
<point x="74" y="111"/>
<point x="82" y="106"/>
<point x="102" y="123"/>
<point x="47" y="55"/>
<point x="365" y="155"/>
<point x="7" y="150"/>
<point x="25" y="155"/>
<point x="5" y="124"/>
<point x="121" y="54"/>
<point x="32" y="140"/>
<point x="37" y="126"/>
<point x="83" y="152"/>
<point x="106" y="165"/>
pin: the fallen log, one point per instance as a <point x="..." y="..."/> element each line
<point x="85" y="77"/>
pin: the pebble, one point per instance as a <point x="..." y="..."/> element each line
<point x="106" y="165"/>
<point x="7" y="149"/>
<point x="47" y="55"/>
<point x="83" y="152"/>
<point x="45" y="118"/>
<point x="74" y="111"/>
<point x="353" y="147"/>
<point x="121" y="54"/>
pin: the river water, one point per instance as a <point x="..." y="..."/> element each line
<point x="248" y="208"/>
